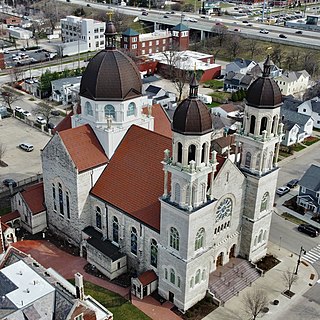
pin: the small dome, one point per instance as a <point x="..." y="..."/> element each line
<point x="192" y="117"/>
<point x="111" y="75"/>
<point x="264" y="91"/>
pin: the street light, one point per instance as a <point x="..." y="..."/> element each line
<point x="302" y="251"/>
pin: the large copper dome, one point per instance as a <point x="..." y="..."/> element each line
<point x="192" y="116"/>
<point x="264" y="91"/>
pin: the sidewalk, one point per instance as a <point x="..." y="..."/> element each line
<point x="273" y="284"/>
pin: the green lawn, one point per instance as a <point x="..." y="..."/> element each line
<point x="298" y="147"/>
<point x="311" y="140"/>
<point x="122" y="310"/>
<point x="291" y="218"/>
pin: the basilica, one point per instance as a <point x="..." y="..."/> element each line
<point x="137" y="193"/>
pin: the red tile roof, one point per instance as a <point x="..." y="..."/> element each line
<point x="133" y="180"/>
<point x="4" y="226"/>
<point x="225" y="141"/>
<point x="34" y="198"/>
<point x="84" y="147"/>
<point x="10" y="216"/>
<point x="87" y="313"/>
<point x="65" y="123"/>
<point x="162" y="123"/>
<point x="229" y="107"/>
<point x="147" y="277"/>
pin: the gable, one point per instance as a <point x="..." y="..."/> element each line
<point x="34" y="198"/>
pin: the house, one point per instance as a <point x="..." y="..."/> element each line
<point x="236" y="81"/>
<point x="12" y="21"/>
<point x="239" y="65"/>
<point x="7" y="236"/>
<point x="31" y="86"/>
<point x="228" y="110"/>
<point x="312" y="109"/>
<point x="144" y="284"/>
<point x="309" y="189"/>
<point x="19" y="33"/>
<point x="297" y="126"/>
<point x="31" y="291"/>
<point x="30" y="205"/>
<point x="160" y="96"/>
<point x="293" y="82"/>
<point x="224" y="144"/>
<point x="64" y="89"/>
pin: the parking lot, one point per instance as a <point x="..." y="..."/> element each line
<point x="21" y="164"/>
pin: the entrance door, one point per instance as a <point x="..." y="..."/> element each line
<point x="232" y="251"/>
<point x="171" y="297"/>
<point x="219" y="260"/>
<point x="145" y="291"/>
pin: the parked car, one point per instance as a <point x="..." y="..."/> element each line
<point x="55" y="113"/>
<point x="9" y="182"/>
<point x="26" y="146"/>
<point x="281" y="35"/>
<point x="264" y="31"/>
<point x="51" y="125"/>
<point x="26" y="113"/>
<point x="282" y="190"/>
<point x="19" y="109"/>
<point x="293" y="183"/>
<point x="41" y="120"/>
<point x="308" y="229"/>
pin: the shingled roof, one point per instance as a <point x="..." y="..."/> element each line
<point x="34" y="197"/>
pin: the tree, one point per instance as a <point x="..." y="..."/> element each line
<point x="173" y="58"/>
<point x="3" y="150"/>
<point x="16" y="74"/>
<point x="221" y="32"/>
<point x="312" y="92"/>
<point x="180" y="79"/>
<point x="254" y="302"/>
<point x="311" y="63"/>
<point x="289" y="278"/>
<point x="253" y="47"/>
<point x="234" y="46"/>
<point x="277" y="55"/>
<point x="44" y="109"/>
<point x="9" y="98"/>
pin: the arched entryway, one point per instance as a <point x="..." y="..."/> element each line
<point x="219" y="261"/>
<point x="232" y="251"/>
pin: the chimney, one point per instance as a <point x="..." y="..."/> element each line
<point x="79" y="285"/>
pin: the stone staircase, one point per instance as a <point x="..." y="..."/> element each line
<point x="230" y="283"/>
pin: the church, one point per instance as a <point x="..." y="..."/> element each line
<point x="137" y="193"/>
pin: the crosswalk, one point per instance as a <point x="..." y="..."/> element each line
<point x="313" y="255"/>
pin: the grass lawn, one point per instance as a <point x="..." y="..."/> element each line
<point x="122" y="309"/>
<point x="298" y="147"/>
<point x="214" y="104"/>
<point x="220" y="96"/>
<point x="291" y="218"/>
<point x="310" y="140"/>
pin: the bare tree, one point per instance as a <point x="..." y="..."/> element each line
<point x="221" y="32"/>
<point x="234" y="45"/>
<point x="311" y="63"/>
<point x="312" y="92"/>
<point x="51" y="13"/>
<point x="254" y="302"/>
<point x="277" y="55"/>
<point x="44" y="109"/>
<point x="3" y="150"/>
<point x="16" y="74"/>
<point x="289" y="278"/>
<point x="180" y="79"/>
<point x="9" y="98"/>
<point x="253" y="47"/>
<point x="173" y="58"/>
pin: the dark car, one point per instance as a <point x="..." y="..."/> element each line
<point x="299" y="32"/>
<point x="8" y="182"/>
<point x="55" y="113"/>
<point x="144" y="13"/>
<point x="281" y="35"/>
<point x="309" y="230"/>
<point x="88" y="5"/>
<point x="51" y="125"/>
<point x="293" y="183"/>
<point x="282" y="190"/>
<point x="165" y="16"/>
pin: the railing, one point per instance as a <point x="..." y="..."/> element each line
<point x="21" y="183"/>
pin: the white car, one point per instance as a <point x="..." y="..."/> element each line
<point x="41" y="120"/>
<point x="19" y="109"/>
<point x="264" y="31"/>
<point x="26" y="113"/>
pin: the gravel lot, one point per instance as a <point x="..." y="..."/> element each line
<point x="21" y="164"/>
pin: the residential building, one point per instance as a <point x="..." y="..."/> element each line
<point x="236" y="81"/>
<point x="64" y="89"/>
<point x="239" y="65"/>
<point x="134" y="196"/>
<point x="30" y="291"/>
<point x="158" y="41"/>
<point x="312" y="109"/>
<point x="19" y="33"/>
<point x="87" y="31"/>
<point x="293" y="82"/>
<point x="158" y="95"/>
<point x="12" y="21"/>
<point x="309" y="190"/>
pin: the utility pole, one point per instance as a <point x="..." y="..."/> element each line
<point x="302" y="251"/>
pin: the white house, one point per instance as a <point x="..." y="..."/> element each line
<point x="19" y="33"/>
<point x="83" y="31"/>
<point x="311" y="108"/>
<point x="239" y="65"/>
<point x="293" y="82"/>
<point x="63" y="89"/>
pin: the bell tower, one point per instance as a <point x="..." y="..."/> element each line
<point x="259" y="140"/>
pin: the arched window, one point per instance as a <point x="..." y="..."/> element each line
<point x="131" y="109"/>
<point x="174" y="238"/>
<point x="203" y="152"/>
<point x="134" y="240"/>
<point x="179" y="282"/>
<point x="198" y="276"/>
<point x="199" y="239"/>
<point x="191" y="282"/>
<point x="54" y="197"/>
<point x="109" y="111"/>
<point x="263" y="124"/>
<point x="247" y="163"/>
<point x="188" y="195"/>
<point x="255" y="240"/>
<point x="258" y="161"/>
<point x="98" y="217"/>
<point x="177" y="193"/>
<point x="115" y="229"/>
<point x="88" y="109"/>
<point x="260" y="236"/>
<point x="273" y="124"/>
<point x="180" y="152"/>
<point x="166" y="273"/>
<point x="203" y="192"/>
<point x="252" y="124"/>
<point x="191" y="152"/>
<point x="265" y="235"/>
<point x="203" y="274"/>
<point x="172" y="276"/>
<point x="61" y="200"/>
<point x="264" y="202"/>
<point x="68" y="204"/>
<point x="154" y="253"/>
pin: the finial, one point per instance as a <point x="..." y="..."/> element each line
<point x="109" y="15"/>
